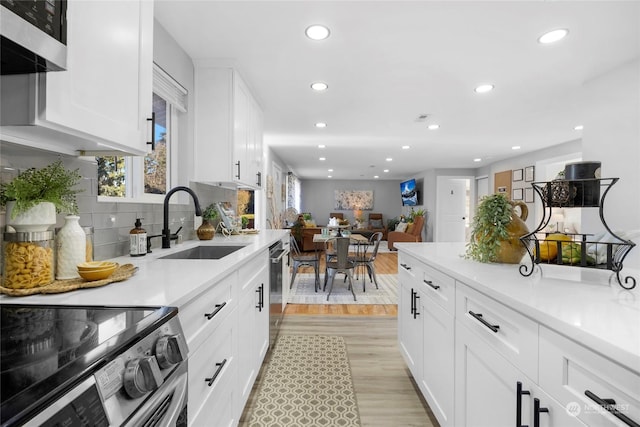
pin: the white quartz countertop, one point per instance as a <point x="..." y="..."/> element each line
<point x="586" y="305"/>
<point x="164" y="282"/>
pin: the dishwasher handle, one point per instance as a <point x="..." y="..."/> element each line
<point x="277" y="256"/>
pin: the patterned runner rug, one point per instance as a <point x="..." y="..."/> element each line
<point x="307" y="383"/>
<point x="303" y="290"/>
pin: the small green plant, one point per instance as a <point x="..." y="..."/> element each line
<point x="53" y="183"/>
<point x="245" y="222"/>
<point x="392" y="223"/>
<point x="414" y="214"/>
<point x="489" y="228"/>
<point x="210" y="212"/>
<point x="306" y="216"/>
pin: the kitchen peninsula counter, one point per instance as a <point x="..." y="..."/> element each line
<point x="162" y="282"/>
<point x="585" y="305"/>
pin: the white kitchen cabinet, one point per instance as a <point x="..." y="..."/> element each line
<point x="103" y="100"/>
<point x="253" y="324"/>
<point x="491" y="392"/>
<point x="228" y="129"/>
<point x="409" y="316"/>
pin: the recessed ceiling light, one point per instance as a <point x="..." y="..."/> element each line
<point x="433" y="126"/>
<point x="579" y="127"/>
<point x="386" y="170"/>
<point x="376" y="176"/>
<point x="322" y="159"/>
<point x="484" y="88"/>
<point x="329" y="170"/>
<point x="515" y="147"/>
<point x="321" y="146"/>
<point x="405" y="147"/>
<point x="319" y="86"/>
<point x="321" y="125"/>
<point x="553" y="36"/>
<point x="477" y="160"/>
<point x="317" y="32"/>
<point x="389" y="159"/>
<point x="329" y="176"/>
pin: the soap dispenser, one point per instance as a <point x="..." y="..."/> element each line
<point x="138" y="240"/>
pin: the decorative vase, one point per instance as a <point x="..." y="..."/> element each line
<point x="71" y="247"/>
<point x="206" y="231"/>
<point x="512" y="250"/>
<point x="38" y="218"/>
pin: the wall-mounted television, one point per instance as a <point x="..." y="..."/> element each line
<point x="409" y="192"/>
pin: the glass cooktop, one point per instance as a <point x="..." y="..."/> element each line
<point x="46" y="349"/>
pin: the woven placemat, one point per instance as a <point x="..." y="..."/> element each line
<point x="123" y="272"/>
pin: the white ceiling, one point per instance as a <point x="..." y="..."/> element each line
<point x="387" y="62"/>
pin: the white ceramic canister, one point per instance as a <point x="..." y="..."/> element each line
<point x="71" y="243"/>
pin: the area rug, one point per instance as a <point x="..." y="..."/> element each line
<point x="307" y="383"/>
<point x="303" y="290"/>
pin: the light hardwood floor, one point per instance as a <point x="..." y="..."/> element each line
<point x="385" y="390"/>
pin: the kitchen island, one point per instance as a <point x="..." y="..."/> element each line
<point x="478" y="336"/>
<point x="223" y="309"/>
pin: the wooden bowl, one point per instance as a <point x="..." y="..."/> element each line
<point x="95" y="265"/>
<point x="97" y="274"/>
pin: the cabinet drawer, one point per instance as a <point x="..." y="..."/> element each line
<point x="251" y="269"/>
<point x="409" y="268"/>
<point x="202" y="315"/>
<point x="571" y="370"/>
<point x="439" y="287"/>
<point x="206" y="362"/>
<point x="508" y="332"/>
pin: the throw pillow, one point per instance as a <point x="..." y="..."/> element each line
<point x="375" y="223"/>
<point x="410" y="227"/>
<point x="401" y="227"/>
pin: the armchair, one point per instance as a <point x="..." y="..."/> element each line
<point x="376" y="224"/>
<point x="413" y="235"/>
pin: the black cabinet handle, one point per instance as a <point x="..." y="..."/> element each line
<point x="238" y="166"/>
<point x="478" y="317"/>
<point x="519" y="393"/>
<point x="536" y="412"/>
<point x="413" y="301"/>
<point x="153" y="131"/>
<point x="259" y="292"/>
<point x="218" y="307"/>
<point x="259" y="182"/>
<point x="430" y="283"/>
<point x="220" y="365"/>
<point x="610" y="406"/>
<point x="415" y="310"/>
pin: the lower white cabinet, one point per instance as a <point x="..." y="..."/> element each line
<point x="253" y="322"/>
<point x="491" y="392"/>
<point x="409" y="319"/>
<point x="227" y="331"/>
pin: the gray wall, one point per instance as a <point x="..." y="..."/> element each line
<point x="318" y="197"/>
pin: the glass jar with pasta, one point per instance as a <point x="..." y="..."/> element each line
<point x="29" y="259"/>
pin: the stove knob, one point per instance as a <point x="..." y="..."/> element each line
<point x="171" y="349"/>
<point x="142" y="376"/>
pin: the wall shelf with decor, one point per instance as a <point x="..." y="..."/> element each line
<point x="576" y="249"/>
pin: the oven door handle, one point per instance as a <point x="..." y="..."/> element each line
<point x="277" y="259"/>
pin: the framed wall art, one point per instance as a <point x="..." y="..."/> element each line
<point x="529" y="173"/>
<point x="517" y="175"/>
<point x="528" y="195"/>
<point x="348" y="200"/>
<point x="517" y="194"/>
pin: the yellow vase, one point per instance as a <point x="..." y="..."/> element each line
<point x="206" y="231"/>
<point x="512" y="250"/>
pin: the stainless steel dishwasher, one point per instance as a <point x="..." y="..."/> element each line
<point x="278" y="255"/>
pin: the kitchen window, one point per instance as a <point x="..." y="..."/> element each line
<point x="147" y="179"/>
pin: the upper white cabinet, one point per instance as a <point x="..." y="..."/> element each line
<point x="228" y="135"/>
<point x="103" y="100"/>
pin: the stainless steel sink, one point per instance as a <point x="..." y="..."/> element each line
<point x="204" y="252"/>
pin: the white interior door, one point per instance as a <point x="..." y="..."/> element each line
<point x="452" y="209"/>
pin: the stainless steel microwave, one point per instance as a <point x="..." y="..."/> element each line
<point x="33" y="36"/>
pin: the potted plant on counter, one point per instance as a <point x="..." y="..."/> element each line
<point x="33" y="198"/>
<point x="496" y="231"/>
<point x="207" y="230"/>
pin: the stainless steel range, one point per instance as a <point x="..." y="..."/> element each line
<point x="92" y="366"/>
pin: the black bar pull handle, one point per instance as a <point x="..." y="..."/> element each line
<point x="261" y="296"/>
<point x="413" y="301"/>
<point x="220" y="365"/>
<point x="610" y="406"/>
<point x="237" y="164"/>
<point x="415" y="310"/>
<point x="536" y="412"/>
<point x="430" y="283"/>
<point x="218" y="307"/>
<point x="479" y="318"/>
<point x="153" y="131"/>
<point x="259" y="292"/>
<point x="519" y="393"/>
<point x="259" y="180"/>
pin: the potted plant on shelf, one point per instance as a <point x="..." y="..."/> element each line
<point x="496" y="231"/>
<point x="33" y="198"/>
<point x="207" y="230"/>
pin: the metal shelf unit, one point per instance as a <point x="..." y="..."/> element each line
<point x="585" y="251"/>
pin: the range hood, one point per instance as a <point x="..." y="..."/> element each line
<point x="32" y="36"/>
